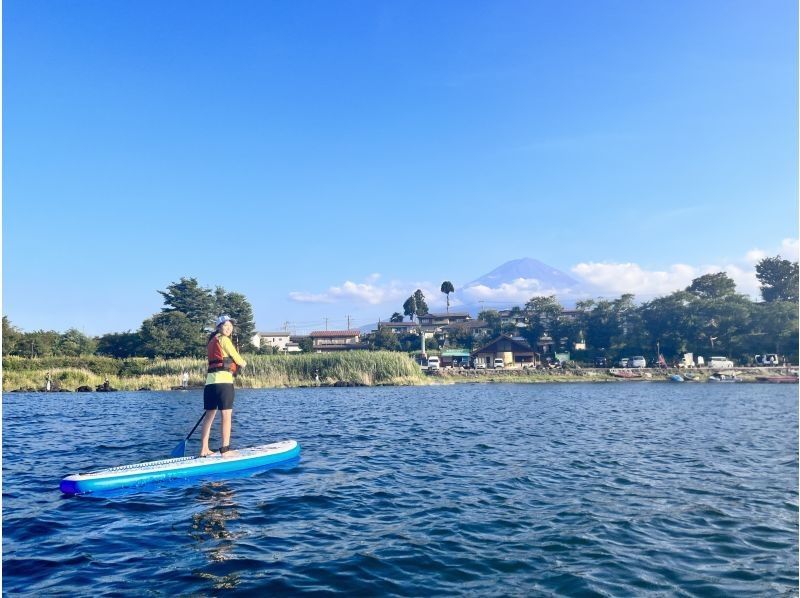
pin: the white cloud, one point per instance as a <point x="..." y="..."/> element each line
<point x="369" y="292"/>
<point x="632" y="278"/>
<point x="621" y="278"/>
<point x="519" y="291"/>
<point x="302" y="297"/>
<point x="790" y="249"/>
<point x="606" y="279"/>
<point x="754" y="256"/>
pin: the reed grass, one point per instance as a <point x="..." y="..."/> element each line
<point x="366" y="368"/>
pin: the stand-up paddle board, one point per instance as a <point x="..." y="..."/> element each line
<point x="182" y="467"/>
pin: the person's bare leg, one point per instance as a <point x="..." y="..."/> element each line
<point x="207" y="421"/>
<point x="227" y="417"/>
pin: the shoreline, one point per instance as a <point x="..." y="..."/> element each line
<point x="165" y="383"/>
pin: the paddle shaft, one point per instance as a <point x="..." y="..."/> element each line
<point x="195" y="426"/>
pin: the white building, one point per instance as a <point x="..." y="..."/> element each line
<point x="277" y="340"/>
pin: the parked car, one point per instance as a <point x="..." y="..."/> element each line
<point x="600" y="362"/>
<point x="720" y="363"/>
<point x="480" y="365"/>
<point x="623" y="363"/>
<point x="767" y="359"/>
<point x="637" y="361"/>
<point x="499" y="363"/>
<point x="433" y="364"/>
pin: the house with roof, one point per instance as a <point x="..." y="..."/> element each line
<point x="280" y="341"/>
<point x="514" y="351"/>
<point x="400" y="327"/>
<point x="513" y="317"/>
<point x="439" y="320"/>
<point x="324" y="341"/>
<point x="455" y="358"/>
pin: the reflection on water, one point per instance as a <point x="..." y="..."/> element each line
<point x="210" y="530"/>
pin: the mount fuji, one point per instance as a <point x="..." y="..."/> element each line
<point x="528" y="269"/>
<point x="516" y="281"/>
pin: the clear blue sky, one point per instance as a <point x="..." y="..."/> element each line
<point x="281" y="149"/>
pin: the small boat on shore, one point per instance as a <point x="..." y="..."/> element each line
<point x="624" y="373"/>
<point x="724" y="377"/>
<point x="675" y="378"/>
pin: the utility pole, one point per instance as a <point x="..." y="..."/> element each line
<point x="348" y="322"/>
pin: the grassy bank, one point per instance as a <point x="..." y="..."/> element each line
<point x="263" y="371"/>
<point x="355" y="368"/>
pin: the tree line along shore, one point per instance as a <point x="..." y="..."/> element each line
<point x="356" y="368"/>
<point x="709" y="317"/>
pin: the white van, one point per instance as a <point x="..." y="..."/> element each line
<point x="768" y="359"/>
<point x="433" y="364"/>
<point x="499" y="364"/>
<point x="637" y="361"/>
<point x="720" y="363"/>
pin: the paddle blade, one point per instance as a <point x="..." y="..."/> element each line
<point x="180" y="450"/>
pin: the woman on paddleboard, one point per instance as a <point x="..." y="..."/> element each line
<point x="223" y="363"/>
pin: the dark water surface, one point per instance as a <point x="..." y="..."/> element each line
<point x="540" y="489"/>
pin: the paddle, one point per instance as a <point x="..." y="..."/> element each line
<point x="180" y="450"/>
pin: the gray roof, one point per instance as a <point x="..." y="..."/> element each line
<point x="452" y="314"/>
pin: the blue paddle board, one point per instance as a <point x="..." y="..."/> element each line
<point x="182" y="467"/>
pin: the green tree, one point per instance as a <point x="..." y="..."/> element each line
<point x="74" y="343"/>
<point x="672" y="323"/>
<point x="306" y="344"/>
<point x="419" y="301"/>
<point x="40" y="343"/>
<point x="396" y="317"/>
<point x="712" y="286"/>
<point x="411" y="342"/>
<point x="172" y="334"/>
<point x="410" y="307"/>
<point x="11" y="336"/>
<point x="384" y="340"/>
<point x="447" y="288"/>
<point x="722" y="323"/>
<point x="609" y="324"/>
<point x="778" y="278"/>
<point x="461" y="337"/>
<point x="120" y="345"/>
<point x="492" y="319"/>
<point x="775" y="326"/>
<point x="543" y="314"/>
<point x="189" y="298"/>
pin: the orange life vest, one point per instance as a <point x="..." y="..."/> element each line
<point x="217" y="362"/>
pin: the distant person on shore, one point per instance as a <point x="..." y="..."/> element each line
<point x="47" y="384"/>
<point x="224" y="362"/>
<point x="185" y="379"/>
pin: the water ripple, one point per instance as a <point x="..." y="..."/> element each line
<point x="495" y="490"/>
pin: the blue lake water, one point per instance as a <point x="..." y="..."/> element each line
<point x="492" y="489"/>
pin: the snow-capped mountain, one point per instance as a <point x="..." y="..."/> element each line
<point x="516" y="281"/>
<point x="528" y="269"/>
